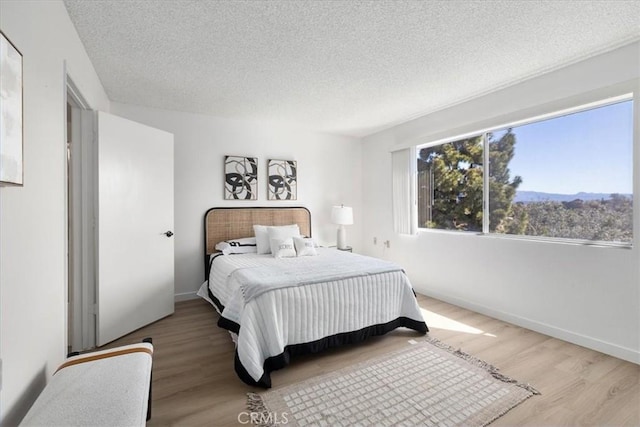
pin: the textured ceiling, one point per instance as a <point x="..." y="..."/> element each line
<point x="349" y="67"/>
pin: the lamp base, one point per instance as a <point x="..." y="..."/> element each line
<point x="342" y="237"/>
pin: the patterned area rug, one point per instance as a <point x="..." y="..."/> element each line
<point x="427" y="383"/>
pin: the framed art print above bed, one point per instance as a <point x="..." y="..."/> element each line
<point x="240" y="178"/>
<point x="282" y="180"/>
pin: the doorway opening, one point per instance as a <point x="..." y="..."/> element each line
<point x="80" y="195"/>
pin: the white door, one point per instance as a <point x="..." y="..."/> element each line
<point x="135" y="222"/>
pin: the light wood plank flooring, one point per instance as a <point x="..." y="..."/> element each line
<point x="194" y="383"/>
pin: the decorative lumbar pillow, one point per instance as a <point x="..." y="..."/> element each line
<point x="246" y="245"/>
<point x="265" y="233"/>
<point x="283" y="248"/>
<point x="305" y="246"/>
<point x="283" y="232"/>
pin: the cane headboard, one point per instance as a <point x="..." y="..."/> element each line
<point x="234" y="223"/>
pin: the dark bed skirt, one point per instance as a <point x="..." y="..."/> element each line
<point x="283" y="359"/>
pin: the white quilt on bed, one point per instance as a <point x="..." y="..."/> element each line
<point x="287" y="272"/>
<point x="272" y="319"/>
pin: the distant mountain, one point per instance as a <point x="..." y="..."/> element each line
<point x="537" y="196"/>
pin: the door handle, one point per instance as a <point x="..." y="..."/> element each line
<point x="168" y="233"/>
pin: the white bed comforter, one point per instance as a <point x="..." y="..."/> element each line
<point x="372" y="298"/>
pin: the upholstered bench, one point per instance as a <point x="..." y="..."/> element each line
<point x="103" y="388"/>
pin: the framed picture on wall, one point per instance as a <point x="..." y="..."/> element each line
<point x="240" y="178"/>
<point x="11" y="128"/>
<point x="283" y="180"/>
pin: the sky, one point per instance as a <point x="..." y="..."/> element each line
<point x="589" y="151"/>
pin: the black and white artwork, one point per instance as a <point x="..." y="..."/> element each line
<point x="10" y="113"/>
<point x="283" y="180"/>
<point x="240" y="178"/>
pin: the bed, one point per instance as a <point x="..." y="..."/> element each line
<point x="278" y="308"/>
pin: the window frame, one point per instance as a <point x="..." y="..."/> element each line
<point x="556" y="113"/>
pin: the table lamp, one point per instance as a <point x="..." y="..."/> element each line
<point x="342" y="216"/>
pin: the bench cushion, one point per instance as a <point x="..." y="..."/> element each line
<point x="104" y="388"/>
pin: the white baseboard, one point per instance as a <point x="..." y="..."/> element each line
<point x="614" y="350"/>
<point x="185" y="296"/>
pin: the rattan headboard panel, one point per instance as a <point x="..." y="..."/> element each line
<point x="235" y="223"/>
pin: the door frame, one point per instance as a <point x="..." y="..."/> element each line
<point x="80" y="201"/>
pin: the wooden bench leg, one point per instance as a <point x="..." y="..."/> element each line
<point x="150" y="341"/>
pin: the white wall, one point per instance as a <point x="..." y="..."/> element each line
<point x="329" y="173"/>
<point x="584" y="294"/>
<point x="32" y="218"/>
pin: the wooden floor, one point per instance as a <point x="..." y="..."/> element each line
<point x="194" y="383"/>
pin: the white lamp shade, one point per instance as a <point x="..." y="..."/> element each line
<point x="342" y="215"/>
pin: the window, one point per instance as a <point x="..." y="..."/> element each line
<point x="450" y="183"/>
<point x="567" y="177"/>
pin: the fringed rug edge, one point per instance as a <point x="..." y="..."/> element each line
<point x="256" y="404"/>
<point x="494" y="371"/>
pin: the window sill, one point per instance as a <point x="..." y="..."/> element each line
<point x="572" y="242"/>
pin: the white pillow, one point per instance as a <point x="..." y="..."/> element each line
<point x="246" y="245"/>
<point x="281" y="232"/>
<point x="283" y="248"/>
<point x="305" y="246"/>
<point x="262" y="239"/>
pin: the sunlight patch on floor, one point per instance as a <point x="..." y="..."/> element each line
<point x="438" y="321"/>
